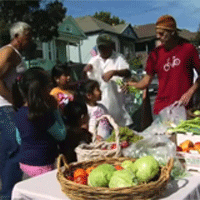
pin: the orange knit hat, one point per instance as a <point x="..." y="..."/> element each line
<point x="166" y="22"/>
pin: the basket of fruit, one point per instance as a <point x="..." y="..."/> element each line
<point x="114" y="178"/>
<point x="102" y="148"/>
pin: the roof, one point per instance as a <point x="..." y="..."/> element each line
<point x="90" y="24"/>
<point x="120" y="28"/>
<point x="145" y="31"/>
<point x="148" y="31"/>
<point x="187" y="34"/>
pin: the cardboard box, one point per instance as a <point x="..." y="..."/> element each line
<point x="191" y="160"/>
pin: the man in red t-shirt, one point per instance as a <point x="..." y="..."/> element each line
<point x="173" y="61"/>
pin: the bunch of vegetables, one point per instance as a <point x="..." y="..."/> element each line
<point x="125" y="134"/>
<point x="192" y="125"/>
<point x="131" y="89"/>
<point x="125" y="175"/>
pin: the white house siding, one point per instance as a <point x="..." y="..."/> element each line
<point x="86" y="47"/>
<point x="74" y="55"/>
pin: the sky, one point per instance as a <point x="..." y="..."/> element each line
<point x="140" y="12"/>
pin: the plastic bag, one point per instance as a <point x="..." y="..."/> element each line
<point x="161" y="148"/>
<point x="167" y="118"/>
<point x="158" y="146"/>
<point x="173" y="114"/>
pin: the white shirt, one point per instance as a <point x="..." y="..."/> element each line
<point x="112" y="97"/>
<point x="104" y="127"/>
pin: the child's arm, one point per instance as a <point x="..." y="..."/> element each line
<point x="18" y="138"/>
<point x="58" y="130"/>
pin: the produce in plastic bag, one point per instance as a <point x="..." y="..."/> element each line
<point x="161" y="148"/>
<point x="169" y="117"/>
<point x="158" y="146"/>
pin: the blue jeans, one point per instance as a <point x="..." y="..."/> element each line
<point x="10" y="172"/>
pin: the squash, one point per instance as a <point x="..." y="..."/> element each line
<point x="186" y="145"/>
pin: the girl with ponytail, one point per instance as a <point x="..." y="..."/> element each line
<point x="40" y="127"/>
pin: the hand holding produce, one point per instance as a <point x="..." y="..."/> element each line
<point x="130" y="89"/>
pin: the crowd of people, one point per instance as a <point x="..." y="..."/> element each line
<point x="42" y="115"/>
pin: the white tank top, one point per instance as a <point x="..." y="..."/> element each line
<point x="11" y="76"/>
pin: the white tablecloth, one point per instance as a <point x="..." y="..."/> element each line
<point x="46" y="187"/>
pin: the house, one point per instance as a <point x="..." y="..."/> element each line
<point x="123" y="36"/>
<point x="57" y="50"/>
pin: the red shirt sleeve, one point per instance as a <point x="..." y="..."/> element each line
<point x="151" y="63"/>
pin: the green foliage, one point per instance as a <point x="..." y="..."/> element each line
<point x="125" y="134"/>
<point x="106" y="17"/>
<point x="135" y="62"/>
<point x="192" y="125"/>
<point x="44" y="22"/>
<point x="131" y="89"/>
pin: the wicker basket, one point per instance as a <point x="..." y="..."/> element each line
<point x="95" y="149"/>
<point x="76" y="191"/>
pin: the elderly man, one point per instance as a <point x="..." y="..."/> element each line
<point x="106" y="67"/>
<point x="173" y="61"/>
<point x="11" y="65"/>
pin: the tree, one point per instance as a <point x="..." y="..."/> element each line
<point x="44" y="22"/>
<point x="106" y="17"/>
<point x="4" y="33"/>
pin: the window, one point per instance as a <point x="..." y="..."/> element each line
<point x="38" y="52"/>
<point x="69" y="28"/>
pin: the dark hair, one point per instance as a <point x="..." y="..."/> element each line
<point x="59" y="70"/>
<point x="85" y="88"/>
<point x="31" y="86"/>
<point x="73" y="112"/>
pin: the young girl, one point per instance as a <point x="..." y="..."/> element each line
<point x="75" y="116"/>
<point x="39" y="124"/>
<point x="91" y="92"/>
<point x="61" y="78"/>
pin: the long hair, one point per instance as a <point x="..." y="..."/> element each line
<point x="32" y="87"/>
